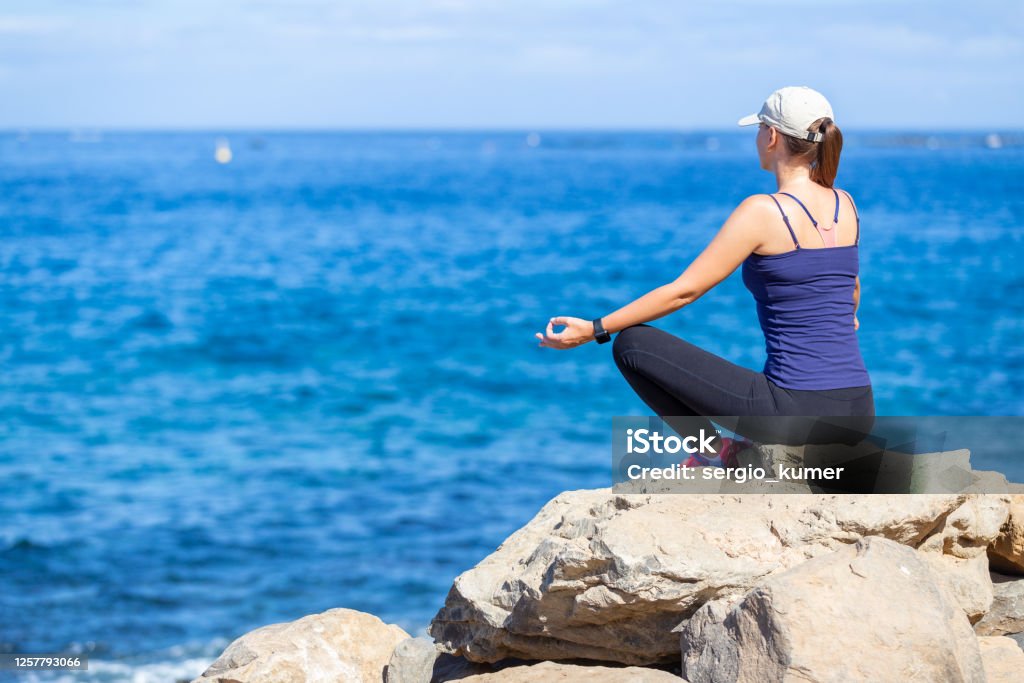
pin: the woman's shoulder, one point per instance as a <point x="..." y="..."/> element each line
<point x="757" y="204"/>
<point x="746" y="224"/>
<point x="849" y="197"/>
<point x="753" y="211"/>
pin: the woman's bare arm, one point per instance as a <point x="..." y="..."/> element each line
<point x="735" y="240"/>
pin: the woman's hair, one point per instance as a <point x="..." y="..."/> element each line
<point x="823" y="156"/>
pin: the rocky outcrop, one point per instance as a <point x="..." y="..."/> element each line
<point x="605" y="576"/>
<point x="1006" y="554"/>
<point x="876" y="598"/>
<point x="336" y="645"/>
<point x="605" y="586"/>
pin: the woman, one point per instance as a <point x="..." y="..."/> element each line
<point x="799" y="252"/>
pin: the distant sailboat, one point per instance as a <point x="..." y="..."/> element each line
<point x="223" y="151"/>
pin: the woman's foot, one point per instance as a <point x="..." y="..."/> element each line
<point x="728" y="449"/>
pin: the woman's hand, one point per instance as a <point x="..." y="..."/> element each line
<point x="576" y="333"/>
<point x="856" y="323"/>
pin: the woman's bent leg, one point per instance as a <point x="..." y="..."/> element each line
<point x="676" y="378"/>
<point x="679" y="380"/>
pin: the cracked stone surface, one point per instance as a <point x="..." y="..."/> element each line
<point x="605" y="576"/>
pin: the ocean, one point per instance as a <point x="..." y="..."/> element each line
<point x="239" y="393"/>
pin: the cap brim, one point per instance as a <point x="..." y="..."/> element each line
<point x="749" y="120"/>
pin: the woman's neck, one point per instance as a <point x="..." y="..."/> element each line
<point x="791" y="175"/>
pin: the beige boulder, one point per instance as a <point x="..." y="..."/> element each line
<point x="604" y="576"/>
<point x="336" y="645"/>
<point x="1006" y="554"/>
<point x="1003" y="658"/>
<point x="558" y="672"/>
<point x="872" y="611"/>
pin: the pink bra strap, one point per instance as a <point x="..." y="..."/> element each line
<point x="828" y="236"/>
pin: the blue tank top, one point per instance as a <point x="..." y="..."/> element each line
<point x="805" y="307"/>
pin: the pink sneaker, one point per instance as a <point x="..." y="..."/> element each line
<point x="726" y="456"/>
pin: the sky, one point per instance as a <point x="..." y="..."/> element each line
<point x="488" y="64"/>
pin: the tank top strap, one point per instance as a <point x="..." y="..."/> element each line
<point x="785" y="219"/>
<point x="814" y="222"/>
<point x="855" y="213"/>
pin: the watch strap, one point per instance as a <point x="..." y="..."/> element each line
<point x="601" y="335"/>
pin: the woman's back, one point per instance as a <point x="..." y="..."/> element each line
<point x="805" y="299"/>
<point x="820" y="202"/>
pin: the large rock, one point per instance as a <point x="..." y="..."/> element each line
<point x="605" y="576"/>
<point x="1006" y="553"/>
<point x="1004" y="660"/>
<point x="1006" y="616"/>
<point x="557" y="672"/>
<point x="336" y="645"/>
<point x="873" y="611"/>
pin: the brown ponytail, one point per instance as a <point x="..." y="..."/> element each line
<point x="823" y="156"/>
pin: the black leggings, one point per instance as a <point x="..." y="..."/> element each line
<point x="685" y="384"/>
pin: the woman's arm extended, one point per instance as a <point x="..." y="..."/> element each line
<point x="736" y="239"/>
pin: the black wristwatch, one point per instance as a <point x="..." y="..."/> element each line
<point x="601" y="335"/>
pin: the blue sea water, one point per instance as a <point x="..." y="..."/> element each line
<point x="237" y="394"/>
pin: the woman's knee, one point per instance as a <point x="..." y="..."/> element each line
<point x="629" y="339"/>
<point x="625" y="340"/>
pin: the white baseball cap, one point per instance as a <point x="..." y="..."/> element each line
<point x="792" y="110"/>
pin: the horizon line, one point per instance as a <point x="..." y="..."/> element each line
<point x="18" y="130"/>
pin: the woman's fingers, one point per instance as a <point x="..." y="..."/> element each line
<point x="557" y="340"/>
